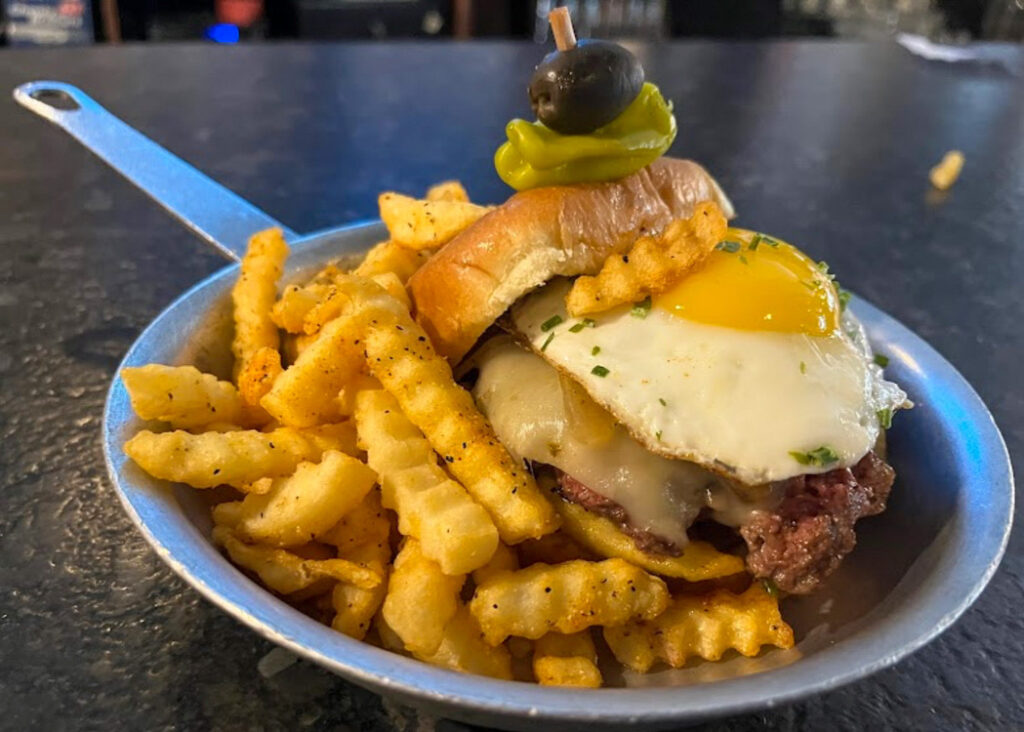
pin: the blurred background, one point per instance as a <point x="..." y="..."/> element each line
<point x="63" y="22"/>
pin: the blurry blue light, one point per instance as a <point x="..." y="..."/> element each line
<point x="222" y="33"/>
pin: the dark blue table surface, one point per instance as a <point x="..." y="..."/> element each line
<point x="827" y="145"/>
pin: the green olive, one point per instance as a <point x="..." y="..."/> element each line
<point x="577" y="91"/>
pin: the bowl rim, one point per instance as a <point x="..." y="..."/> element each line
<point x="955" y="583"/>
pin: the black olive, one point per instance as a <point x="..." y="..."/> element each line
<point x="576" y="91"/>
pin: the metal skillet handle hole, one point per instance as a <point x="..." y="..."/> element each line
<point x="56" y="98"/>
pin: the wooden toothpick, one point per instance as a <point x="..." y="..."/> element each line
<point x="561" y="28"/>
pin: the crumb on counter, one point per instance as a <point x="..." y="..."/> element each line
<point x="944" y="175"/>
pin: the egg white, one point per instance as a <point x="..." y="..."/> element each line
<point x="735" y="401"/>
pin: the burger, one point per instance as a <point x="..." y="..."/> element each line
<point x="740" y="403"/>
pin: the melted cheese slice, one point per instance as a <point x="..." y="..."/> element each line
<point x="532" y="411"/>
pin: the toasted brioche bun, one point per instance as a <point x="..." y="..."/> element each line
<point x="543" y="233"/>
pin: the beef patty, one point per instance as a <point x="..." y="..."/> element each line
<point x="805" y="538"/>
<point x="796" y="545"/>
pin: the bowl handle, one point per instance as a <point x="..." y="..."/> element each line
<point x="219" y="216"/>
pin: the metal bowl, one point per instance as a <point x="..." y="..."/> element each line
<point x="916" y="568"/>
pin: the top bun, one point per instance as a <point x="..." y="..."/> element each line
<point x="543" y="233"/>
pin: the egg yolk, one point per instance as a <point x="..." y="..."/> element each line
<point x="755" y="282"/>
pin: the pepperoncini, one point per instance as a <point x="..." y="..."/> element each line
<point x="537" y="156"/>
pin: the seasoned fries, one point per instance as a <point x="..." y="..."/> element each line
<point x="306" y="503"/>
<point x="421" y="599"/>
<point x="503" y="560"/>
<point x="652" y="264"/>
<point x="566" y="597"/>
<point x="367" y="523"/>
<point x="366" y="432"/>
<point x="258" y="375"/>
<point x="400" y="356"/>
<point x="254" y="295"/>
<point x="333" y="302"/>
<point x="233" y="458"/>
<point x="699" y="560"/>
<point x="463" y="649"/>
<point x="286" y="573"/>
<point x="426" y="224"/>
<point x="702" y="625"/>
<point x="389" y="256"/>
<point x="354" y="607"/>
<point x="451" y="527"/>
<point x="566" y="660"/>
<point x="186" y="398"/>
<point x="289" y="313"/>
<point x="305" y="394"/>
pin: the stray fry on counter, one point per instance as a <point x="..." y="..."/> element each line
<point x="945" y="174"/>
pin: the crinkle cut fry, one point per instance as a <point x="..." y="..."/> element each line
<point x="354" y="607"/>
<point x="400" y="356"/>
<point x="285" y="573"/>
<point x="305" y="393"/>
<point x="463" y="649"/>
<point x="306" y="503"/>
<point x="698" y="561"/>
<point x="566" y="660"/>
<point x="289" y="312"/>
<point x="567" y="598"/>
<point x="254" y="294"/>
<point x="391" y="257"/>
<point x="705" y="626"/>
<point x="418" y="224"/>
<point x="652" y="265"/>
<point x="234" y="458"/>
<point x="258" y="375"/>
<point x="421" y="599"/>
<point x="332" y="305"/>
<point x="185" y="397"/>
<point x="452" y="528"/>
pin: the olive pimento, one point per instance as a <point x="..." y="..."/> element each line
<point x="583" y="86"/>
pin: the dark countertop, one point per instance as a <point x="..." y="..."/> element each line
<point x="825" y="144"/>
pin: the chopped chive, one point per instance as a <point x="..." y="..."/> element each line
<point x="803" y="367"/>
<point x="885" y="418"/>
<point x="599" y="371"/>
<point x="595" y="350"/>
<point x="658" y="435"/>
<point x="728" y="246"/>
<point x="550" y="323"/>
<point x="641" y="309"/>
<point x="755" y="242"/>
<point x="881" y="360"/>
<point x="844" y="298"/>
<point x="585" y="323"/>
<point x="823" y="455"/>
<point x="743" y="259"/>
<point x="770" y="587"/>
<point x="663" y="402"/>
<point x="770" y="241"/>
<point x="551" y="337"/>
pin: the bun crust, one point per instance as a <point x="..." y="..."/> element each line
<point x="543" y="233"/>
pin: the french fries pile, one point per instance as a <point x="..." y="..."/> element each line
<point x="372" y="494"/>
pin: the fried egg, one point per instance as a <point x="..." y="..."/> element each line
<point x="748" y="366"/>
